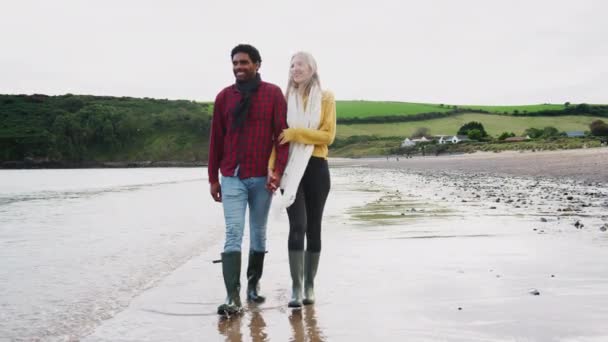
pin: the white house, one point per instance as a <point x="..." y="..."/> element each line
<point x="422" y="139"/>
<point x="407" y="143"/>
<point x="459" y="138"/>
<point x="444" y="139"/>
<point x="411" y="142"/>
<point x="454" y="139"/>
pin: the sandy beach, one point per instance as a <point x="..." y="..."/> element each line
<point x="424" y="249"/>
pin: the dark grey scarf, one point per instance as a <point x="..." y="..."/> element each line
<point x="246" y="89"/>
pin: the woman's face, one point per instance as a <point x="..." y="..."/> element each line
<point x="300" y="71"/>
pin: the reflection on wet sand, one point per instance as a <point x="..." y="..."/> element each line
<point x="304" y="325"/>
<point x="257" y="327"/>
<point x="231" y="327"/>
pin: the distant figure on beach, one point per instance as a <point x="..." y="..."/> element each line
<point x="248" y="118"/>
<point x="311" y="115"/>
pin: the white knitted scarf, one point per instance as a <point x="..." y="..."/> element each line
<point x="299" y="154"/>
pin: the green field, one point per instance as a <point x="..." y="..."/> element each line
<point x="493" y="124"/>
<point x="362" y="109"/>
<point x="521" y="109"/>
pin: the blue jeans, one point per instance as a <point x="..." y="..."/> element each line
<point x="236" y="195"/>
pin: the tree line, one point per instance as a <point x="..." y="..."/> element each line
<point x="579" y="109"/>
<point x="81" y="127"/>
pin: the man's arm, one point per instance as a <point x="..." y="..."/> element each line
<point x="279" y="124"/>
<point x="216" y="149"/>
<point x="279" y="152"/>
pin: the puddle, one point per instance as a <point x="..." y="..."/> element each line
<point x="393" y="208"/>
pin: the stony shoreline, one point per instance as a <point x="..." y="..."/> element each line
<point x="588" y="165"/>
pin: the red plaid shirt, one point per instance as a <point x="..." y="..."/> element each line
<point x="250" y="146"/>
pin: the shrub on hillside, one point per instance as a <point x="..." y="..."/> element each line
<point x="421" y="132"/>
<point x="599" y="128"/>
<point x="474" y="134"/>
<point x="506" y="135"/>
<point x="464" y="130"/>
<point x="546" y="132"/>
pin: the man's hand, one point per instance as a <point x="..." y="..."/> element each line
<point x="273" y="181"/>
<point x="216" y="191"/>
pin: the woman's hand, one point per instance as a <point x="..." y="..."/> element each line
<point x="285" y="136"/>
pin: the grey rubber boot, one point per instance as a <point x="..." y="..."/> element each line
<point x="254" y="273"/>
<point x="311" y="263"/>
<point x="231" y="269"/>
<point x="296" y="267"/>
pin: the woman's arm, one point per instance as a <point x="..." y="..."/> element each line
<point x="326" y="132"/>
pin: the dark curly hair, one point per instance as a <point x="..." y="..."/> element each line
<point x="253" y="53"/>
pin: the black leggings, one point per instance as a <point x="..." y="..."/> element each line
<point x="306" y="212"/>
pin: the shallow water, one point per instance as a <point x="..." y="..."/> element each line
<point x="77" y="245"/>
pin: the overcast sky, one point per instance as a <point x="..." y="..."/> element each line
<point x="442" y="51"/>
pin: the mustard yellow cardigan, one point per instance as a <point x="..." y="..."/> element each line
<point x="321" y="137"/>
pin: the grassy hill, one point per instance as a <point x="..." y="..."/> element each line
<point x="362" y="109"/>
<point x="512" y="109"/>
<point x="80" y="128"/>
<point x="493" y="124"/>
<point x="366" y="109"/>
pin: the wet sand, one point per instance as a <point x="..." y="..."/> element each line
<point x="417" y="256"/>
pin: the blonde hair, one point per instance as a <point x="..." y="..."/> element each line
<point x="307" y="85"/>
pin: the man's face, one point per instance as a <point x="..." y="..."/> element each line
<point x="243" y="67"/>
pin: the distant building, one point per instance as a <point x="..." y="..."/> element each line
<point x="459" y="138"/>
<point x="421" y="139"/>
<point x="454" y="139"/>
<point x="407" y="143"/>
<point x="575" y="134"/>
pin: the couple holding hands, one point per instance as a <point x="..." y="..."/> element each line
<point x="262" y="141"/>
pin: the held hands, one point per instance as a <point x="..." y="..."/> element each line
<point x="285" y="136"/>
<point x="273" y="181"/>
<point x="216" y="191"/>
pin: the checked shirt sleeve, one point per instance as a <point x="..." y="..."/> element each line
<point x="279" y="124"/>
<point x="216" y="141"/>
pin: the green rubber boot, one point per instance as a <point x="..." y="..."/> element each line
<point x="296" y="267"/>
<point x="311" y="263"/>
<point x="231" y="269"/>
<point x="254" y="273"/>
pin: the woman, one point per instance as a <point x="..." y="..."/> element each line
<point x="311" y="117"/>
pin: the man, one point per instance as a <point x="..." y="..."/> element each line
<point x="248" y="118"/>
